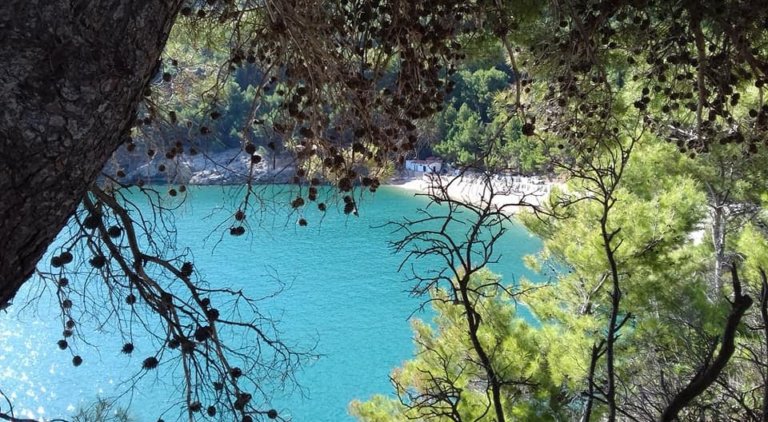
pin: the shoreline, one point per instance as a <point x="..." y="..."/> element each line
<point x="509" y="190"/>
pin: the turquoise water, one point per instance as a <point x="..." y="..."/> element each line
<point x="343" y="293"/>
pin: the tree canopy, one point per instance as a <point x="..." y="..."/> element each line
<point x="653" y="112"/>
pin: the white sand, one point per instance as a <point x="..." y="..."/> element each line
<point x="506" y="192"/>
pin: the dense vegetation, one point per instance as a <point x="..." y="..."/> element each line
<point x="672" y="311"/>
<point x="656" y="306"/>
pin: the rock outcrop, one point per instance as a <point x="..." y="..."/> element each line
<point x="228" y="167"/>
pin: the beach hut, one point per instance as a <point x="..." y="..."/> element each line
<point x="429" y="165"/>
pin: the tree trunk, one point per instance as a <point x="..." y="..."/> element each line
<point x="72" y="73"/>
<point x="707" y="374"/>
<point x="718" y="242"/>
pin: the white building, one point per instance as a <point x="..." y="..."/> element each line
<point x="430" y="165"/>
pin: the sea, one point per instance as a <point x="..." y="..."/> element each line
<point x="341" y="295"/>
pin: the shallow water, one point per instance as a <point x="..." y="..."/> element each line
<point x="343" y="292"/>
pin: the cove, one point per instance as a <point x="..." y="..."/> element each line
<point x="342" y="294"/>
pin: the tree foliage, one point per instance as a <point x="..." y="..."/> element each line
<point x="591" y="91"/>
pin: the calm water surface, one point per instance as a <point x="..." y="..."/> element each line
<point x="343" y="292"/>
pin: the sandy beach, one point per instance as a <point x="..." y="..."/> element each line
<point x="504" y="191"/>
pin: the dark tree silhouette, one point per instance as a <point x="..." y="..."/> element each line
<point x="73" y="74"/>
<point x="77" y="80"/>
<point x="461" y="234"/>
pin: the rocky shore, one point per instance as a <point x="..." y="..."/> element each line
<point x="229" y="167"/>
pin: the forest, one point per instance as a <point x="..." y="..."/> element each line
<point x="651" y="300"/>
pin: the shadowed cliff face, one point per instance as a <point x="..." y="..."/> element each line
<point x="72" y="75"/>
<point x="229" y="167"/>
